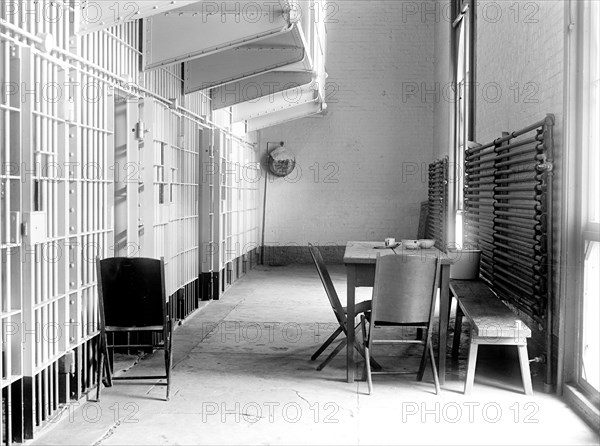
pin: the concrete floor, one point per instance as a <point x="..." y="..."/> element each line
<point x="242" y="375"/>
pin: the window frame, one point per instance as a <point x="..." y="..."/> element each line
<point x="464" y="78"/>
<point x="589" y="230"/>
<point x="573" y="226"/>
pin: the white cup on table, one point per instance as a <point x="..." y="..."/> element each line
<point x="390" y="241"/>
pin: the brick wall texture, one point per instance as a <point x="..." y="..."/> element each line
<point x="350" y="185"/>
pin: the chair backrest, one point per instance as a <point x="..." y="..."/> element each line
<point x="405" y="289"/>
<point x="334" y="300"/>
<point x="132" y="291"/>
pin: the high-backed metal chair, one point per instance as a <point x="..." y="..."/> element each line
<point x="338" y="310"/>
<point x="132" y="299"/>
<point x="404" y="295"/>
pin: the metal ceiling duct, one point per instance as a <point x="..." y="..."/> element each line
<point x="281" y="96"/>
<point x="252" y="89"/>
<point x="246" y="61"/>
<point x="205" y="28"/>
<point x="290" y="114"/>
<point x="277" y="102"/>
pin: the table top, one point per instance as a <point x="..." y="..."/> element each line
<point x="366" y="252"/>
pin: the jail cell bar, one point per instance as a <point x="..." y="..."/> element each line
<point x="67" y="140"/>
<point x="246" y="231"/>
<point x="62" y="163"/>
<point x="184" y="214"/>
<point x="61" y="138"/>
<point x="11" y="304"/>
<point x="175" y="146"/>
<point x="239" y="175"/>
<point x="209" y="282"/>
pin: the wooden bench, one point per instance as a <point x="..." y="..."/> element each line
<point x="492" y="322"/>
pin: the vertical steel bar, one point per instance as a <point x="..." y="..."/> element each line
<point x="105" y="49"/>
<point x="132" y="38"/>
<point x="5" y="116"/>
<point x="44" y="375"/>
<point x="63" y="31"/>
<point x="84" y="312"/>
<point x="41" y="19"/>
<point x="83" y="202"/>
<point x="549" y="168"/>
<point x="44" y="339"/>
<point x="38" y="398"/>
<point x="56" y="386"/>
<point x="45" y="203"/>
<point x="61" y="19"/>
<point x="51" y="390"/>
<point x="30" y="17"/>
<point x="52" y="17"/>
<point x="38" y="346"/>
<point x="55" y="149"/>
<point x="124" y="69"/>
<point x="55" y="320"/>
<point x="94" y="163"/>
<point x="115" y="54"/>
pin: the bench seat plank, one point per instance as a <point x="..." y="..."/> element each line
<point x="491" y="322"/>
<point x="486" y="312"/>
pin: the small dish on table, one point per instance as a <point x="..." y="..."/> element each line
<point x="426" y="243"/>
<point x="410" y="244"/>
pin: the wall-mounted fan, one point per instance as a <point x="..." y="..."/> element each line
<point x="281" y="161"/>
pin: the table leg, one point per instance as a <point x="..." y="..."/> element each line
<point x="350" y="314"/>
<point x="444" y="315"/>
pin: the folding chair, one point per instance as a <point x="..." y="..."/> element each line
<point x="132" y="299"/>
<point x="404" y="295"/>
<point x="338" y="310"/>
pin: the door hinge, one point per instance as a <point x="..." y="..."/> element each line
<point x="140" y="130"/>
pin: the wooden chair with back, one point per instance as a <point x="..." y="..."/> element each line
<point x="132" y="299"/>
<point x="404" y="295"/>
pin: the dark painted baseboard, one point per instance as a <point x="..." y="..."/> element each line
<point x="287" y="255"/>
<point x="213" y="284"/>
<point x="206" y="286"/>
<point x="210" y="286"/>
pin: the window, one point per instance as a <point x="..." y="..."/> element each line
<point x="463" y="25"/>
<point x="589" y="331"/>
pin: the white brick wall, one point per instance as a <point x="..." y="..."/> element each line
<point x="368" y="133"/>
<point x="519" y="64"/>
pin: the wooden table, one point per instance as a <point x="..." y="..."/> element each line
<point x="360" y="258"/>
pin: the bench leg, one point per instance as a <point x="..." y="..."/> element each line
<point x="525" y="373"/>
<point x="368" y="369"/>
<point x="436" y="379"/>
<point x="457" y="332"/>
<point x="471" y="364"/>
